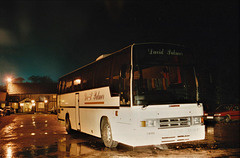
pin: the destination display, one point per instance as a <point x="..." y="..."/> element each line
<point x="171" y="52"/>
<point x="160" y="54"/>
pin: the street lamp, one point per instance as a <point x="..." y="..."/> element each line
<point x="8" y="83"/>
<point x="9" y="80"/>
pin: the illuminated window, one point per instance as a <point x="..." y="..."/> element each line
<point x="15" y="105"/>
<point x="77" y="82"/>
<point x="41" y="105"/>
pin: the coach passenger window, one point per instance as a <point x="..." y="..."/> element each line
<point x="125" y="85"/>
<point x="114" y="86"/>
<point x="102" y="73"/>
<point x="87" y="78"/>
<point x="77" y="84"/>
<point x="63" y="87"/>
<point x="120" y="76"/>
<point x="69" y="86"/>
<point x="59" y="87"/>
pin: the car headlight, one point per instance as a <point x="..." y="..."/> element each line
<point x="149" y="123"/>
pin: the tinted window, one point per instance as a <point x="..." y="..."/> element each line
<point x="102" y="72"/>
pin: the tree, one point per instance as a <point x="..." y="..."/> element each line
<point x="18" y="80"/>
<point x="40" y="79"/>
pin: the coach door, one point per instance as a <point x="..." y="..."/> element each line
<point x="77" y="111"/>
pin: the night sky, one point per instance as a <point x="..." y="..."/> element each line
<point x="52" y="38"/>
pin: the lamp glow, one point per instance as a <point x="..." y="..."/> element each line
<point x="9" y="79"/>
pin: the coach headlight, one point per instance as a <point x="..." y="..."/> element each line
<point x="149" y="123"/>
<point x="198" y="120"/>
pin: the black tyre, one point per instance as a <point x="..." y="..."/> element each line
<point x="68" y="125"/>
<point x="106" y="134"/>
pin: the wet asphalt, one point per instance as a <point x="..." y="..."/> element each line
<point x="42" y="135"/>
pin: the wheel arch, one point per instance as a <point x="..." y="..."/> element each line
<point x="104" y="120"/>
<point x="67" y="116"/>
<point x="101" y="120"/>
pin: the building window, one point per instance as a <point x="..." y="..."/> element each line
<point x="41" y="105"/>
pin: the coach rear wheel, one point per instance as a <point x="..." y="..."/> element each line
<point x="106" y="134"/>
<point x="68" y="125"/>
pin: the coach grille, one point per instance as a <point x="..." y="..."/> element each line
<point x="174" y="122"/>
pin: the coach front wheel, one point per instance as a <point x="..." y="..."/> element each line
<point x="106" y="134"/>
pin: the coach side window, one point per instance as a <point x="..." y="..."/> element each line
<point x="59" y="87"/>
<point x="124" y="85"/>
<point x="87" y="78"/>
<point x="120" y="76"/>
<point x="77" y="84"/>
<point x="114" y="85"/>
<point x="102" y="73"/>
<point x="63" y="87"/>
<point x="69" y="86"/>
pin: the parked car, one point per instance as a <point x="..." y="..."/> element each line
<point x="7" y="110"/>
<point x="226" y="113"/>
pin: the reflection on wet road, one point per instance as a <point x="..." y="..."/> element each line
<point x="42" y="135"/>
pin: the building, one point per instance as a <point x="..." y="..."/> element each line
<point x="2" y="99"/>
<point x="32" y="97"/>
